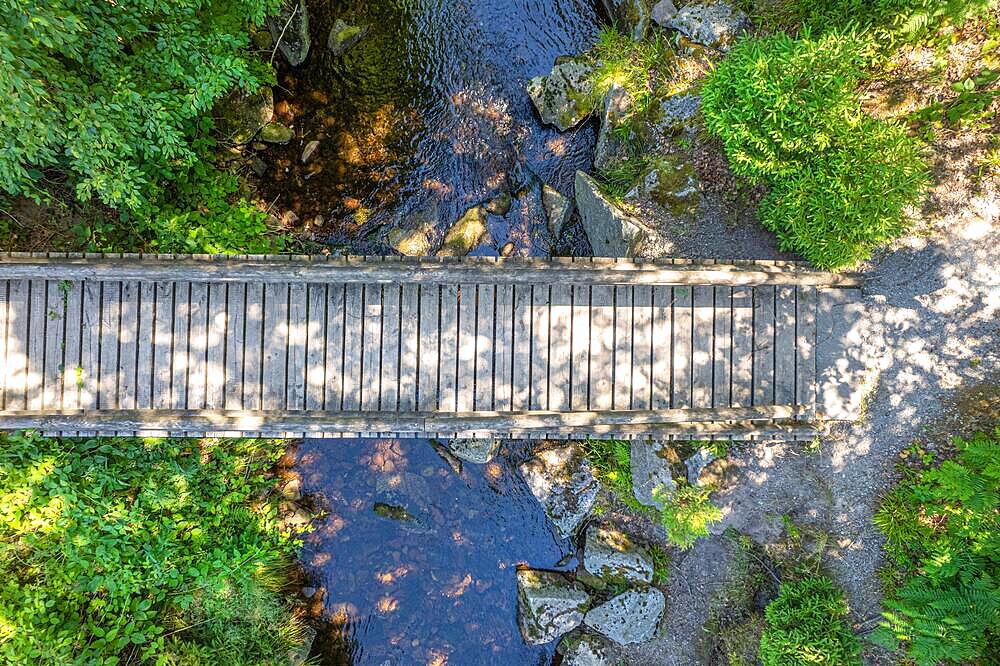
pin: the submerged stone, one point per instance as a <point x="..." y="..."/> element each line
<point x="343" y="37"/>
<point x="466" y="234"/>
<point x="411" y="242"/>
<point x="548" y="605"/>
<point x="631" y="617"/>
<point x="610" y="553"/>
<point x="558" y="209"/>
<point x="478" y="451"/>
<point x="290" y="28"/>
<point x="393" y="512"/>
<point x="715" y="24"/>
<point x="500" y="205"/>
<point x="563" y="481"/>
<point x="276" y="133"/>
<point x="563" y="98"/>
<point x="240" y="115"/>
<point x="612" y="232"/>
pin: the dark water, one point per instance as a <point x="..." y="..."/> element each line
<point x="427" y="113"/>
<point x="416" y="560"/>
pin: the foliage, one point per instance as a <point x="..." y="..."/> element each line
<point x="140" y="550"/>
<point x="630" y="64"/>
<point x="687" y="514"/>
<point x="661" y="564"/>
<point x="942" y="528"/>
<point x="806" y="625"/>
<point x="612" y="465"/>
<point x="618" y="177"/>
<point x="788" y="114"/>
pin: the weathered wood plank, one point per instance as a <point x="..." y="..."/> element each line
<point x="560" y="346"/>
<point x="702" y="346"/>
<point x="624" y="341"/>
<point x="128" y="345"/>
<point x="466" y="372"/>
<point x="145" y="338"/>
<point x="298" y="322"/>
<point x="253" y="356"/>
<point x="539" y="378"/>
<point x="722" y="353"/>
<point x="336" y="347"/>
<point x="580" y="366"/>
<point x="315" y="345"/>
<point x="72" y="293"/>
<point x="504" y="345"/>
<point x="163" y="345"/>
<point x="409" y="343"/>
<point x="274" y="394"/>
<point x="521" y="373"/>
<point x="107" y="393"/>
<point x="805" y="341"/>
<point x="35" y="344"/>
<point x="602" y="346"/>
<point x="663" y="342"/>
<point x="763" y="324"/>
<point x="642" y="347"/>
<point x="354" y="320"/>
<point x="743" y="347"/>
<point x="181" y="361"/>
<point x="784" y="346"/>
<point x="429" y="350"/>
<point x="55" y="342"/>
<point x="485" y="335"/>
<point x="683" y="364"/>
<point x="391" y="347"/>
<point x="197" y="376"/>
<point x="236" y="324"/>
<point x="448" y="365"/>
<point x="5" y="318"/>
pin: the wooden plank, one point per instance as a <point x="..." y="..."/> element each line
<point x="504" y="346"/>
<point x="580" y="368"/>
<point x="466" y="370"/>
<point x="236" y="345"/>
<point x="642" y="347"/>
<point x="197" y="376"/>
<point x="371" y="270"/>
<point x="128" y="345"/>
<point x="5" y="317"/>
<point x="409" y="343"/>
<point x="73" y="372"/>
<point x="805" y="341"/>
<point x="784" y="346"/>
<point x="521" y="369"/>
<point x="722" y="354"/>
<point x="429" y="351"/>
<point x="485" y="336"/>
<point x="254" y="347"/>
<point x="602" y="345"/>
<point x="163" y="345"/>
<point x="354" y="310"/>
<point x="683" y="331"/>
<point x="743" y="352"/>
<point x="560" y="346"/>
<point x="448" y="364"/>
<point x="336" y="318"/>
<point x="55" y="342"/>
<point x="763" y="324"/>
<point x="182" y="317"/>
<point x="218" y="325"/>
<point x="702" y="346"/>
<point x="391" y="347"/>
<point x="145" y="338"/>
<point x="107" y="392"/>
<point x="37" y="329"/>
<point x="316" y="346"/>
<point x="539" y="378"/>
<point x="275" y="361"/>
<point x="295" y="397"/>
<point x="371" y="361"/>
<point x="624" y="340"/>
<point x="663" y="341"/>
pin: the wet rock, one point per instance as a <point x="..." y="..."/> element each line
<point x="652" y="475"/>
<point x="630" y="16"/>
<point x="411" y="242"/>
<point x="500" y="205"/>
<point x="240" y="115"/>
<point x="677" y="113"/>
<point x="672" y="182"/>
<point x="479" y="451"/>
<point x="292" y="490"/>
<point x="466" y="234"/>
<point x="548" y="605"/>
<point x="558" y="209"/>
<point x="507" y="249"/>
<point x="343" y="37"/>
<point x="348" y="149"/>
<point x="612" y="232"/>
<point x="258" y="166"/>
<point x="663" y="11"/>
<point x="563" y="481"/>
<point x="276" y="133"/>
<point x="563" y="98"/>
<point x="583" y="649"/>
<point x="298" y="656"/>
<point x="610" y="553"/>
<point x="393" y="512"/>
<point x="631" y="617"/>
<point x="309" y="151"/>
<point x="697" y="463"/>
<point x="294" y="517"/>
<point x="405" y="497"/>
<point x="309" y="592"/>
<point x="714" y="24"/>
<point x="290" y="28"/>
<point x="610" y="146"/>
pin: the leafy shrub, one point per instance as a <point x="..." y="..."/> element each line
<point x="806" y="625"/>
<point x="140" y="550"/>
<point x="942" y="528"/>
<point x="687" y="514"/>
<point x="788" y="114"/>
<point x="632" y="65"/>
<point x="611" y="459"/>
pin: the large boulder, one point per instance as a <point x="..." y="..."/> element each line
<point x="240" y="115"/>
<point x="612" y="232"/>
<point x="712" y="23"/>
<point x="610" y="146"/>
<point x="652" y="474"/>
<point x="610" y="553"/>
<point x="466" y="234"/>
<point x="630" y="16"/>
<point x="564" y="98"/>
<point x="290" y="29"/>
<point x="563" y="482"/>
<point x="478" y="451"/>
<point x="548" y="605"/>
<point x="671" y="182"/>
<point x="631" y="617"/>
<point x="585" y="649"/>
<point x="676" y="113"/>
<point x="558" y="209"/>
<point x="697" y="463"/>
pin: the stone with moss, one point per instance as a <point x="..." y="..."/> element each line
<point x="343" y="37"/>
<point x="610" y="553"/>
<point x="478" y="451"/>
<point x="466" y="234"/>
<point x="558" y="209"/>
<point x="290" y="29"/>
<point x="565" y="97"/>
<point x="713" y="23"/>
<point x="548" y="605"/>
<point x="612" y="231"/>
<point x="240" y="115"/>
<point x="276" y="133"/>
<point x="562" y="480"/>
<point x="611" y="147"/>
<point x="632" y="17"/>
<point x="671" y="182"/>
<point x="499" y="205"/>
<point x="629" y="618"/>
<point x="411" y="242"/>
<point x="586" y="649"/>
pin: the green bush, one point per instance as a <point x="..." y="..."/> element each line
<point x="942" y="528"/>
<point x="632" y="65"/>
<point x="126" y="550"/>
<point x="788" y="114"/>
<point x="806" y="626"/>
<point x="687" y="514"/>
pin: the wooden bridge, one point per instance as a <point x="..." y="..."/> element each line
<point x="478" y="347"/>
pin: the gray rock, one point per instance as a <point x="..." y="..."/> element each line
<point x="276" y="133"/>
<point x="548" y="605"/>
<point x="630" y="16"/>
<point x="558" y="209"/>
<point x="610" y="553"/>
<point x="652" y="478"/>
<point x="697" y="463"/>
<point x="290" y="28"/>
<point x="563" y="98"/>
<point x="479" y="451"/>
<point x="714" y="24"/>
<point x="610" y="146"/>
<point x="240" y="115"/>
<point x="343" y="37"/>
<point x="663" y="11"/>
<point x="411" y="242"/>
<point x="563" y="482"/>
<point x="672" y="183"/>
<point x="406" y="498"/>
<point x="676" y="113"/>
<point x="631" y="617"/>
<point x="612" y="232"/>
<point x="586" y="650"/>
<point x="466" y="234"/>
<point x="309" y="151"/>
